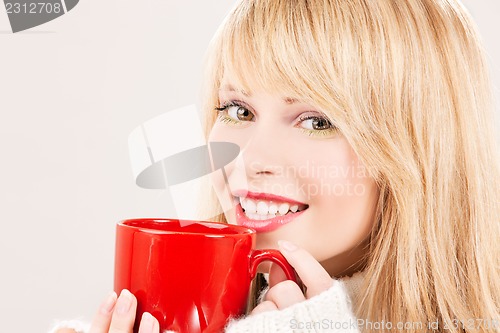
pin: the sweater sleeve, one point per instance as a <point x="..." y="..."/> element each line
<point x="331" y="311"/>
<point x="77" y="325"/>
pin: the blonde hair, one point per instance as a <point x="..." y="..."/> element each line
<point x="407" y="85"/>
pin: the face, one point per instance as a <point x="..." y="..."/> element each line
<point x="296" y="177"/>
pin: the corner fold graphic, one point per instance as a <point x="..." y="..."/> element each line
<point x="26" y="14"/>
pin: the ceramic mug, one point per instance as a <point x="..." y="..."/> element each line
<point x="193" y="276"/>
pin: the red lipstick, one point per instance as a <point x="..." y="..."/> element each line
<point x="265" y="196"/>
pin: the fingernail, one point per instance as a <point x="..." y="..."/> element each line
<point x="147" y="323"/>
<point x="287" y="246"/>
<point x="108" y="303"/>
<point x="124" y="302"/>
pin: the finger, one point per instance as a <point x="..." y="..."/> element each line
<point x="102" y="319"/>
<point x="149" y="324"/>
<point x="276" y="275"/>
<point x="312" y="274"/>
<point x="124" y="314"/>
<point x="285" y="294"/>
<point x="264" y="307"/>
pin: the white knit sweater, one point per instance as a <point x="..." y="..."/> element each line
<point x="328" y="312"/>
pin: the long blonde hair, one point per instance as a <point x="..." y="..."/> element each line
<point x="407" y="84"/>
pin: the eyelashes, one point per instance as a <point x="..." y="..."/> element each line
<point x="227" y="105"/>
<point x="316" y="122"/>
<point x="234" y="112"/>
<point x="311" y="123"/>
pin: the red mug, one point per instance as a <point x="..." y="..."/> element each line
<point x="193" y="276"/>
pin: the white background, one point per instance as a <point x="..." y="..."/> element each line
<point x="71" y="91"/>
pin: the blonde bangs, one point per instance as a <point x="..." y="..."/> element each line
<point x="276" y="46"/>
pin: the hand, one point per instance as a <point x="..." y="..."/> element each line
<point x="284" y="293"/>
<point x="118" y="315"/>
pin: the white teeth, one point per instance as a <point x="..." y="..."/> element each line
<point x="273" y="209"/>
<point x="283" y="209"/>
<point x="262" y="208"/>
<point x="257" y="217"/>
<point x="250" y="206"/>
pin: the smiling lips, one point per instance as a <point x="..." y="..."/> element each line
<point x="266" y="212"/>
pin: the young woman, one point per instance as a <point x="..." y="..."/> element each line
<point x="368" y="157"/>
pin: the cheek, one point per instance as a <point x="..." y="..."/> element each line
<point x="222" y="133"/>
<point x="218" y="184"/>
<point x="350" y="212"/>
<point x="330" y="169"/>
<point x="343" y="186"/>
<point x="216" y="134"/>
<point x="340" y="223"/>
<point x="343" y="200"/>
<point x="333" y="226"/>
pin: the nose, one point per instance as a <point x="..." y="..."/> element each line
<point x="261" y="156"/>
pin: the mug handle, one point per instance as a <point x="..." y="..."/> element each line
<point x="275" y="256"/>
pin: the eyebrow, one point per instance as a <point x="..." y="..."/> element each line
<point x="228" y="87"/>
